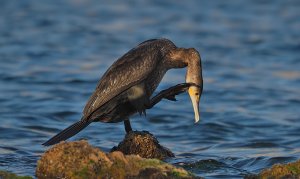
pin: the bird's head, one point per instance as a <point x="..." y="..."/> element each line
<point x="191" y="58"/>
<point x="194" y="75"/>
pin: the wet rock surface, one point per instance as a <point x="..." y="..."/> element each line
<point x="80" y="160"/>
<point x="144" y="144"/>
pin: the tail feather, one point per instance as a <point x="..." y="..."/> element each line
<point x="68" y="132"/>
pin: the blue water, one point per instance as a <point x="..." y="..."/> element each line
<point x="53" y="52"/>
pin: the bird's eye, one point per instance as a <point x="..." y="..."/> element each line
<point x="196" y="94"/>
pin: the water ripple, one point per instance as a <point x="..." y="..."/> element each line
<point x="53" y="53"/>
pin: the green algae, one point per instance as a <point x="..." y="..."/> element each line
<point x="9" y="175"/>
<point x="84" y="161"/>
<point x="83" y="173"/>
<point x="289" y="170"/>
<point x="282" y="170"/>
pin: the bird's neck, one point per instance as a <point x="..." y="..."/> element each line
<point x="194" y="71"/>
<point x="190" y="57"/>
<point x="177" y="58"/>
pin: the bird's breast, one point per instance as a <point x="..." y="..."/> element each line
<point x="138" y="97"/>
<point x="136" y="92"/>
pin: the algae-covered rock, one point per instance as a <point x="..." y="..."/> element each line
<point x="144" y="144"/>
<point x="290" y="170"/>
<point x="80" y="160"/>
<point x="9" y="175"/>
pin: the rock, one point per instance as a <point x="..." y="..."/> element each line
<point x="144" y="144"/>
<point x="290" y="170"/>
<point x="80" y="160"/>
<point x="9" y="175"/>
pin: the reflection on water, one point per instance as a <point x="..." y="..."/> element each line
<point x="53" y="52"/>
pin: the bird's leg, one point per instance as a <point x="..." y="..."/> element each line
<point x="127" y="125"/>
<point x="169" y="93"/>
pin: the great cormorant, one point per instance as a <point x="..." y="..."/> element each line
<point x="127" y="86"/>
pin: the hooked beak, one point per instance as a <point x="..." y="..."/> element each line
<point x="194" y="93"/>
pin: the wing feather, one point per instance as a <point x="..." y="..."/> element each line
<point x="127" y="71"/>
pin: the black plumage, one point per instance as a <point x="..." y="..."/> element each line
<point x="126" y="87"/>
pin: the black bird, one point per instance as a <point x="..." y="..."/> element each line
<point x="127" y="86"/>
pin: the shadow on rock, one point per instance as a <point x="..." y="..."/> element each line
<point x="144" y="144"/>
<point x="80" y="160"/>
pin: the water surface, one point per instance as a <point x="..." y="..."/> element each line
<point x="52" y="54"/>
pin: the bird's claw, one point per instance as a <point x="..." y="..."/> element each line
<point x="171" y="98"/>
<point x="170" y="93"/>
<point x="176" y="90"/>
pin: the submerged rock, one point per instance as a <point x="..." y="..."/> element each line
<point x="144" y="144"/>
<point x="80" y="160"/>
<point x="290" y="170"/>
